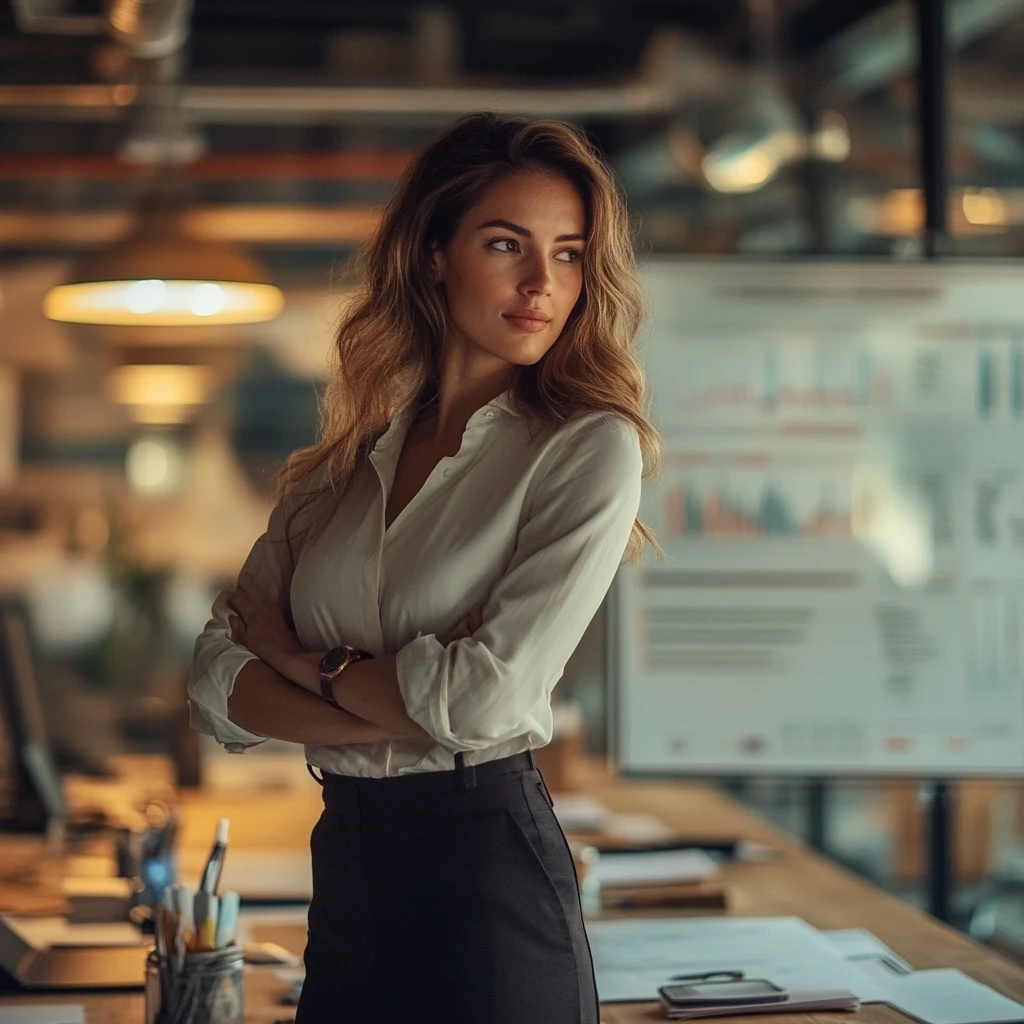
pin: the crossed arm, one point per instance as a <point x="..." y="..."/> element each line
<point x="278" y="695"/>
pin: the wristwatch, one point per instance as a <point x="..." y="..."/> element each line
<point x="333" y="663"/>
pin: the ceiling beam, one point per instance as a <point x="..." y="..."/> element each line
<point x="882" y="46"/>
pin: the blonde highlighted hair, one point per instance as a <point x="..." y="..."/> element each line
<point x="389" y="344"/>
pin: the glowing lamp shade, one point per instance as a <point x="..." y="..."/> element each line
<point x="161" y="393"/>
<point x="158" y="278"/>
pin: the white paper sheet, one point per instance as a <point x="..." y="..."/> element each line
<point x="655" y="867"/>
<point x="579" y="812"/>
<point x="867" y="950"/>
<point x="950" y="997"/>
<point x="637" y="828"/>
<point x="51" y="1013"/>
<point x="43" y="932"/>
<point x="633" y="957"/>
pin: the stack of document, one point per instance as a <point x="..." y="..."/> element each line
<point x="655" y="867"/>
<point x="659" y="878"/>
<point x="802" y="1000"/>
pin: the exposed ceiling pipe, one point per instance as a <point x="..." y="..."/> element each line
<point x="332" y="166"/>
<point x="286" y="224"/>
<point x="222" y="104"/>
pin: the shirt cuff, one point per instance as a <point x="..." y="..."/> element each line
<point x="419" y="666"/>
<point x="208" y="704"/>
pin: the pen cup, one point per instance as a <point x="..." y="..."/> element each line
<point x="584" y="860"/>
<point x="203" y="988"/>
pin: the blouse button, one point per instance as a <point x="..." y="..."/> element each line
<point x="448" y="472"/>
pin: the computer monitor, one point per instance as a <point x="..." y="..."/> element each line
<point x="31" y="798"/>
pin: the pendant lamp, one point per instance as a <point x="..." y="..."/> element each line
<point x="157" y="277"/>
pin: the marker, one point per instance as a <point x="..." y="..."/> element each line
<point x="206" y="920"/>
<point x="185" y="908"/>
<point x="215" y="862"/>
<point x="227" y="923"/>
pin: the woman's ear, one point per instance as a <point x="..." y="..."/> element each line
<point x="436" y="264"/>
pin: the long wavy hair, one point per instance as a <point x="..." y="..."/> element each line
<point x="389" y="343"/>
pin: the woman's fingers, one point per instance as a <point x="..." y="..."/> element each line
<point x="237" y="631"/>
<point x="238" y="601"/>
<point x="466" y="626"/>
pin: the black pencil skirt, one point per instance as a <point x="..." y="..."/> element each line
<point x="445" y="898"/>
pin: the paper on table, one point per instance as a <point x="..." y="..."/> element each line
<point x="637" y="828"/>
<point x="56" y="1013"/>
<point x="654" y="867"/>
<point x="867" y="950"/>
<point x="43" y="932"/>
<point x="950" y="997"/>
<point x="579" y="812"/>
<point x="633" y="957"/>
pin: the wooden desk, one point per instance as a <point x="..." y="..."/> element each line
<point x="800" y="883"/>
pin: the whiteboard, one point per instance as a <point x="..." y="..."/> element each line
<point x="842" y="510"/>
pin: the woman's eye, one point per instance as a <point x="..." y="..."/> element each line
<point x="505" y="242"/>
<point x="571" y="255"/>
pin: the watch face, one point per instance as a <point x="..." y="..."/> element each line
<point x="333" y="660"/>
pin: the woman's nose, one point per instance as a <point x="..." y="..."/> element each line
<point x="537" y="278"/>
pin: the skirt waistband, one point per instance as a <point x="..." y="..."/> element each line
<point x="463" y="777"/>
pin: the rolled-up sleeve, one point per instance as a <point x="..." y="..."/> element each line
<point x="496" y="685"/>
<point x="217" y="660"/>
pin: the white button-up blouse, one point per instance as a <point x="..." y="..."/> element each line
<point x="533" y="528"/>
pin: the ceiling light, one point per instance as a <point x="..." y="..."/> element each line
<point x="830" y="141"/>
<point x="157" y="277"/>
<point x="161" y="393"/>
<point x="744" y="162"/>
<point x="154" y="465"/>
<point x="984" y="206"/>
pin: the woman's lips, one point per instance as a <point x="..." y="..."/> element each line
<point x="526" y="323"/>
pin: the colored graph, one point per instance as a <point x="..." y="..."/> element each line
<point x="718" y="512"/>
<point x="1000" y="381"/>
<point x="799" y="378"/>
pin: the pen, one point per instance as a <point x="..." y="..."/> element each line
<point x="709" y="976"/>
<point x="215" y="862"/>
<point x="166" y="918"/>
<point x="227" y="922"/>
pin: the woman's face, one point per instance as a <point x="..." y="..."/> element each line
<point x="512" y="271"/>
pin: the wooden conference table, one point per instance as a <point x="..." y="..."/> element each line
<point x="798" y="883"/>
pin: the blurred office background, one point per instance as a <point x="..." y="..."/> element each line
<point x="136" y="461"/>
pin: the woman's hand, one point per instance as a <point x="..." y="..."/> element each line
<point x="467" y="625"/>
<point x="259" y="625"/>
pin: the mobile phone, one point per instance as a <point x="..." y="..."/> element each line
<point x="723" y="993"/>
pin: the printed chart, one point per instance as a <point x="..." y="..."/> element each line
<point x="842" y="510"/>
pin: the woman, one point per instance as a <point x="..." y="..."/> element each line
<point x="430" y="566"/>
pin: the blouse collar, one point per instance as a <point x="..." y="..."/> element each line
<point x="398" y="422"/>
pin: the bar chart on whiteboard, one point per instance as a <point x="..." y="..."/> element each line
<point x="841" y="505"/>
